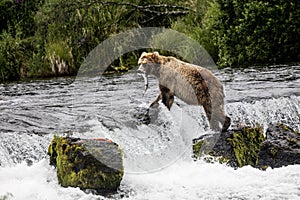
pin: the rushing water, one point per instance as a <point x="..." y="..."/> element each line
<point x="156" y="143"/>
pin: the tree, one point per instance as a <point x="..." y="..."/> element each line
<point x="255" y="32"/>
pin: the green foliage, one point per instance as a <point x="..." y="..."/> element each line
<point x="61" y="33"/>
<point x="241" y="33"/>
<point x="16" y="43"/>
<point x="35" y="34"/>
<point x="253" y="32"/>
<point x="82" y="25"/>
<point x="194" y="25"/>
<point x="12" y="56"/>
<point x="18" y="15"/>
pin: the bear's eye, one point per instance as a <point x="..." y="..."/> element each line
<point x="144" y="60"/>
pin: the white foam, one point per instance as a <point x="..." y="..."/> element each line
<point x="158" y="145"/>
<point x="35" y="182"/>
<point x="182" y="180"/>
<point x="197" y="180"/>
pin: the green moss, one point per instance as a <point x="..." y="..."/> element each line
<point x="197" y="149"/>
<point x="264" y="167"/>
<point x="273" y="151"/>
<point x="203" y="148"/>
<point x="223" y="159"/>
<point x="52" y="152"/>
<point x="284" y="127"/>
<point x="246" y="145"/>
<point x="77" y="166"/>
<point x="7" y="196"/>
<point x="292" y="140"/>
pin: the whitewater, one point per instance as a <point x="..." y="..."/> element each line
<point x="182" y="180"/>
<point x="157" y="155"/>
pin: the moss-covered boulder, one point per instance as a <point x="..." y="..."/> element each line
<point x="246" y="144"/>
<point x="249" y="146"/>
<point x="93" y="164"/>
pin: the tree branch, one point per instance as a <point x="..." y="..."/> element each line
<point x="174" y="10"/>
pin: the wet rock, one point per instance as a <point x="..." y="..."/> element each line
<point x="90" y="164"/>
<point x="249" y="146"/>
<point x="145" y="115"/>
<point x="281" y="147"/>
<point x="142" y="115"/>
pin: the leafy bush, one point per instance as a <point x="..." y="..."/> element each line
<point x="194" y="25"/>
<point x="245" y="32"/>
<point x="235" y="33"/>
<point x="12" y="57"/>
<point x="253" y="32"/>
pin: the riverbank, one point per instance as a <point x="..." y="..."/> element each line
<point x="46" y="38"/>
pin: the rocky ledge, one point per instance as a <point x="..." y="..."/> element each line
<point x="280" y="146"/>
<point x="91" y="164"/>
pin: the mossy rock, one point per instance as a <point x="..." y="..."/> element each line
<point x="249" y="146"/>
<point x="281" y="147"/>
<point x="235" y="147"/>
<point x="87" y="164"/>
<point x="246" y="144"/>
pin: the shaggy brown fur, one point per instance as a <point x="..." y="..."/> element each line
<point x="192" y="84"/>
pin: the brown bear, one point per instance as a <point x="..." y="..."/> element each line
<point x="193" y="84"/>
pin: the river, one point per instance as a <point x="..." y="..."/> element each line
<point x="156" y="143"/>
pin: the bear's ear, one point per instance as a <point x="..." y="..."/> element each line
<point x="155" y="55"/>
<point x="143" y="54"/>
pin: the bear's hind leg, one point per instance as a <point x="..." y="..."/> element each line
<point x="213" y="123"/>
<point x="226" y="124"/>
<point x="218" y="121"/>
<point x="221" y="120"/>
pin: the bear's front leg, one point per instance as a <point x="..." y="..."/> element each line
<point x="154" y="104"/>
<point x="167" y="96"/>
<point x="168" y="99"/>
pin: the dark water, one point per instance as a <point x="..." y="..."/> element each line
<point x="32" y="112"/>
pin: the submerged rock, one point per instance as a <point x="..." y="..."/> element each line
<point x="249" y="146"/>
<point x="90" y="164"/>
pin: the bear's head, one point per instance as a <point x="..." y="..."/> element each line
<point x="149" y="63"/>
